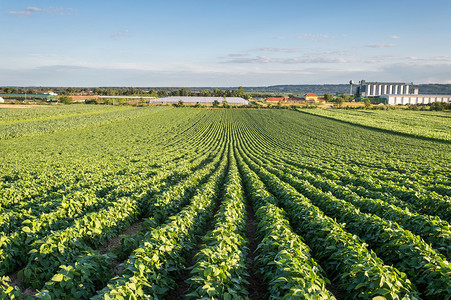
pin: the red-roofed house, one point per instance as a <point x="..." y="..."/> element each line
<point x="311" y="97"/>
<point x="277" y="99"/>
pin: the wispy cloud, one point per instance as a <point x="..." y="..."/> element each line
<point x="270" y="49"/>
<point x="19" y="13"/>
<point x="395" y="37"/>
<point x="237" y="55"/>
<point x="120" y="34"/>
<point x="293" y="60"/>
<point x="381" y="45"/>
<point x="316" y="36"/>
<point x="36" y="10"/>
<point x="430" y="59"/>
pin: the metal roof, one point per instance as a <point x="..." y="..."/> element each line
<point x="126" y="97"/>
<point x="363" y="82"/>
<point x="201" y="100"/>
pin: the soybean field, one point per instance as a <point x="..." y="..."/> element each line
<point x="104" y="202"/>
<point x="429" y="124"/>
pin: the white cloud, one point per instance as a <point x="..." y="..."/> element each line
<point x="19" y="13"/>
<point x="120" y="34"/>
<point x="195" y="75"/>
<point x="270" y="49"/>
<point x="33" y="10"/>
<point x="430" y="59"/>
<point x="316" y="37"/>
<point x="237" y="55"/>
<point x="320" y="59"/>
<point x="381" y="45"/>
<point x="395" y="37"/>
<point x="36" y="9"/>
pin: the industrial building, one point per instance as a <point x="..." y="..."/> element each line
<point x="376" y="89"/>
<point x="415" y="99"/>
<point x="396" y="93"/>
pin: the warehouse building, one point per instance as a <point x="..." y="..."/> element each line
<point x="415" y="99"/>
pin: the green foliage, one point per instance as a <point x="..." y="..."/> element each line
<point x="225" y="104"/>
<point x="75" y="177"/>
<point x="350" y="261"/>
<point x="9" y="292"/>
<point x="66" y="100"/>
<point x="179" y="104"/>
<point x="328" y="97"/>
<point x="439" y="106"/>
<point x="340" y="100"/>
<point x="220" y="266"/>
<point x="91" y="271"/>
<point x="423" y="124"/>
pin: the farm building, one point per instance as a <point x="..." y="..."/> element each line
<point x="415" y="99"/>
<point x="201" y="100"/>
<point x="296" y="100"/>
<point x="2" y="100"/>
<point x="311" y="97"/>
<point x="277" y="99"/>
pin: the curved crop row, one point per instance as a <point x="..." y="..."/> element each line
<point x="351" y="263"/>
<point x="429" y="270"/>
<point x="149" y="268"/>
<point x="283" y="259"/>
<point x="220" y="268"/>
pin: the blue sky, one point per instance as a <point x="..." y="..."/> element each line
<point x="223" y="43"/>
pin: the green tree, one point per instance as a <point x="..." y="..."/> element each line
<point x="162" y="93"/>
<point x="216" y="103"/>
<point x="367" y="103"/>
<point x="240" y="91"/>
<point x="66" y="100"/>
<point x="225" y="104"/>
<point x="184" y="92"/>
<point x="69" y="91"/>
<point x="437" y="106"/>
<point x="328" y="97"/>
<point x="340" y="100"/>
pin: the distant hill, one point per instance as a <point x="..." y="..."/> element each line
<point x="321" y="89"/>
<point x="441" y="89"/>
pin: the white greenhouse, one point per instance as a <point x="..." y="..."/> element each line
<point x="201" y="100"/>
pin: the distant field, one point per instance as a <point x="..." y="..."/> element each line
<point x="39" y="120"/>
<point x="429" y="124"/>
<point x="102" y="202"/>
